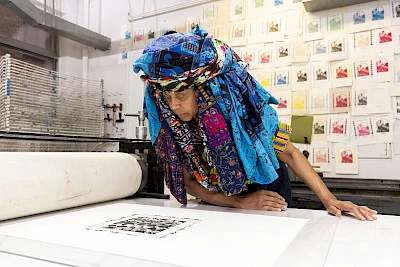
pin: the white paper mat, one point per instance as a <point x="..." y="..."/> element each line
<point x="209" y="239"/>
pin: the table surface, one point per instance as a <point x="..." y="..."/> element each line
<point x="324" y="240"/>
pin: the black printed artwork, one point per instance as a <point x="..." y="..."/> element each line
<point x="145" y="225"/>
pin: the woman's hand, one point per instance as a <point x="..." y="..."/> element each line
<point x="336" y="207"/>
<point x="261" y="200"/>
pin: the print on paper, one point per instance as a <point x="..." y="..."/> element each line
<point x="341" y="100"/>
<point x="362" y="39"/>
<point x="150" y="34"/>
<point x="361" y="98"/>
<point x="321" y="74"/>
<point x="336" y="46"/>
<point x="321" y="156"/>
<point x="302" y="75"/>
<point x="266" y="79"/>
<point x="358" y="17"/>
<point x="259" y="3"/>
<point x="319" y="127"/>
<point x="208" y="12"/>
<point x="281" y="78"/>
<point x="274" y="25"/>
<point x="265" y="56"/>
<point x="338" y="126"/>
<point x="319" y="102"/>
<point x="341" y="72"/>
<point x="382" y="65"/>
<point x="363" y="129"/>
<point x="283" y="51"/>
<point x="385" y="35"/>
<point x="396" y="9"/>
<point x="378" y="13"/>
<point x="145" y="225"/>
<point x="382" y="125"/>
<point x="238" y="31"/>
<point x="362" y="69"/>
<point x="346" y="156"/>
<point x="319" y="47"/>
<point x="335" y="23"/>
<point x="139" y="36"/>
<point x="313" y="26"/>
<point x="283" y="102"/>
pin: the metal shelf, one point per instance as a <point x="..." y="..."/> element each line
<point x="321" y="5"/>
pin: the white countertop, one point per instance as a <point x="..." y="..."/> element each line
<point x="324" y="240"/>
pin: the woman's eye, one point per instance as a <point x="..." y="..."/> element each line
<point x="181" y="96"/>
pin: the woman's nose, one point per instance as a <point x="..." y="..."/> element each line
<point x="174" y="103"/>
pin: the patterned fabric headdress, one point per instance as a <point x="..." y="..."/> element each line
<point x="229" y="144"/>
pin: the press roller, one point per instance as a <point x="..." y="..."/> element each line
<point x="37" y="182"/>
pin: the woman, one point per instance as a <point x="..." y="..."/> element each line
<point x="215" y="132"/>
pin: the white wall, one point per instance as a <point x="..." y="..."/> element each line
<point x="107" y="17"/>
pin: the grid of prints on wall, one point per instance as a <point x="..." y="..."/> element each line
<point x="339" y="66"/>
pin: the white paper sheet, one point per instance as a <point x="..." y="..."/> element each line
<point x="248" y="56"/>
<point x="238" y="34"/>
<point x="283" y="54"/>
<point x="395" y="6"/>
<point x="301" y="77"/>
<point x="346" y="158"/>
<point x="321" y="155"/>
<point x="335" y="22"/>
<point x="282" y="77"/>
<point x="293" y="22"/>
<point x="371" y="243"/>
<point x="340" y="99"/>
<point x="361" y="43"/>
<point x="238" y="10"/>
<point x="266" y="79"/>
<point x="338" y="128"/>
<point x="358" y="18"/>
<point x="382" y="126"/>
<point x="314" y="27"/>
<point x="359" y="103"/>
<point x="396" y="143"/>
<point x="300" y="103"/>
<point x="274" y="28"/>
<point x="319" y="102"/>
<point x="232" y="234"/>
<point x="255" y="31"/>
<point x="265" y="56"/>
<point x="362" y="130"/>
<point x="321" y="75"/>
<point x="301" y="51"/>
<point x="341" y="73"/>
<point x="383" y="66"/>
<point x="395" y="87"/>
<point x="397" y="107"/>
<point x="396" y="39"/>
<point x="379" y="98"/>
<point x="363" y="69"/>
<point x="285" y="102"/>
<point x="320" y="128"/>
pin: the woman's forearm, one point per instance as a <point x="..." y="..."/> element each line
<point x="195" y="189"/>
<point x="300" y="165"/>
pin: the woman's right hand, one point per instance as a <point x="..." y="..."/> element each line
<point x="261" y="200"/>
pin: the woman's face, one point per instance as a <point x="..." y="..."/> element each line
<point x="183" y="104"/>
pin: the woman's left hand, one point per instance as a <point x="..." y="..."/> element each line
<point x="336" y="207"/>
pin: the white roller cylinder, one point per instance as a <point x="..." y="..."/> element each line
<point x="37" y="182"/>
